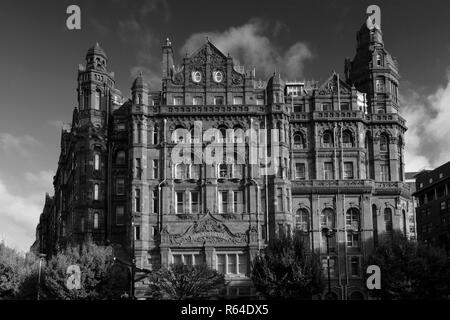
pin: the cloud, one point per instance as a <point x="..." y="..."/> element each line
<point x="427" y="116"/>
<point x="43" y="178"/>
<point x="10" y="144"/>
<point x="19" y="215"/>
<point x="249" y="46"/>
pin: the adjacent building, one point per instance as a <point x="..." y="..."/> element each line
<point x="338" y="166"/>
<point x="433" y="210"/>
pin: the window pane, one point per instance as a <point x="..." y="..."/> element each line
<point x="221" y="268"/>
<point x="242" y="264"/>
<point x="188" y="259"/>
<point x="177" y="259"/>
<point x="232" y="264"/>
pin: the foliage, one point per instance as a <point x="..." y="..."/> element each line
<point x="410" y="270"/>
<point x="14" y="266"/>
<point x="287" y="270"/>
<point x="181" y="282"/>
<point x="101" y="278"/>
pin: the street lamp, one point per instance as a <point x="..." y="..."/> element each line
<point x="328" y="233"/>
<point x="41" y="257"/>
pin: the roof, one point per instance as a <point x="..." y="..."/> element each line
<point x="96" y="50"/>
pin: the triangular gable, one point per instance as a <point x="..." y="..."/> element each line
<point x="330" y="86"/>
<point x="208" y="49"/>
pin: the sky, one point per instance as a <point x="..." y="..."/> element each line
<point x="39" y="59"/>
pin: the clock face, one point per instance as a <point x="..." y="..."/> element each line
<point x="196" y="76"/>
<point x="218" y="76"/>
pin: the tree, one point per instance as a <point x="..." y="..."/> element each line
<point x="14" y="266"/>
<point x="410" y="270"/>
<point x="287" y="270"/>
<point x="101" y="278"/>
<point x="181" y="282"/>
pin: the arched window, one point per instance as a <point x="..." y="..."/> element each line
<point x="96" y="215"/>
<point x="388" y="220"/>
<point x="299" y="141"/>
<point x="97" y="100"/>
<point x="96" y="161"/>
<point x="155" y="135"/>
<point x="120" y="157"/>
<point x="223" y="170"/>
<point x="327" y="218"/>
<point x="302" y="220"/>
<point x="352" y="219"/>
<point x="327" y="139"/>
<point x="384" y="142"/>
<point x="96" y="191"/>
<point x="347" y="139"/>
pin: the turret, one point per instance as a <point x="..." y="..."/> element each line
<point x="167" y="63"/>
<point x="139" y="91"/>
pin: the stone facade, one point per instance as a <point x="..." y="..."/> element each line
<point x="340" y="163"/>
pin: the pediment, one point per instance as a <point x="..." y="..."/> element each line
<point x="208" y="52"/>
<point x="330" y="86"/>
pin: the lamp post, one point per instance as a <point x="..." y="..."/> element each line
<point x="328" y="232"/>
<point x="41" y="257"/>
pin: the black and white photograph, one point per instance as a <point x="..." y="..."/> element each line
<point x="224" y="155"/>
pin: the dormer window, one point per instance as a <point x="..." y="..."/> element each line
<point x="379" y="60"/>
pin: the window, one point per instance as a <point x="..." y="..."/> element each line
<point x="120" y="215"/>
<point x="347" y="139"/>
<point x="120" y="157"/>
<point x="223" y="170"/>
<point x="96" y="161"/>
<point x="237" y="201"/>
<point x="327" y="218"/>
<point x="442" y="205"/>
<point x="120" y="186"/>
<point x="345" y="107"/>
<point x="223" y="201"/>
<point x="279" y="199"/>
<point x="238" y="170"/>
<point x="218" y="100"/>
<point x="299" y="141"/>
<point x="348" y="170"/>
<point x="352" y="219"/>
<point x="302" y="220"/>
<point x="379" y="60"/>
<point x="177" y="101"/>
<point x="232" y="263"/>
<point x="196" y="76"/>
<point x="138" y="168"/>
<point x="379" y="84"/>
<point x="384" y="172"/>
<point x="383" y="143"/>
<point x="353" y="240"/>
<point x="96" y="220"/>
<point x="354" y="267"/>
<point x="187" y="259"/>
<point x="155" y="201"/>
<point x="388" y="220"/>
<point x="97" y="100"/>
<point x="96" y="191"/>
<point x="380" y="108"/>
<point x="155" y="169"/>
<point x="299" y="108"/>
<point x="326" y="107"/>
<point x="155" y="136"/>
<point x="120" y="126"/>
<point x="180" y="202"/>
<point x="238" y="100"/>
<point x="328" y="171"/>
<point x="332" y="262"/>
<point x="197" y="101"/>
<point x="137" y="232"/>
<point x="137" y="200"/>
<point x="300" y="171"/>
<point x="194" y="202"/>
<point x="82" y="222"/>
<point x="327" y="139"/>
